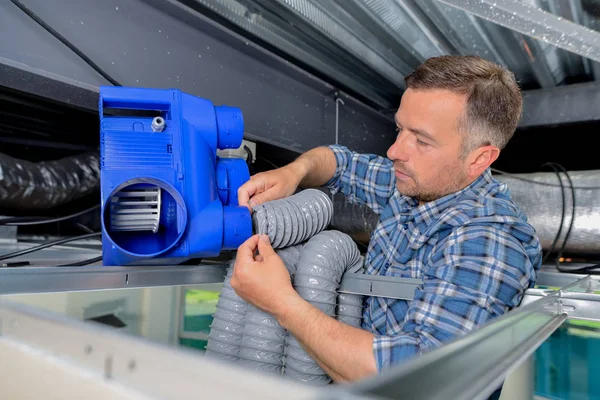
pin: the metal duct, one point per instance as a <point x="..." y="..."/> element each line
<point x="542" y="203"/>
<point x="539" y="197"/>
<point x="47" y="184"/>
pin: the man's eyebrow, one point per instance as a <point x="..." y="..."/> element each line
<point x="423" y="133"/>
<point x="417" y="131"/>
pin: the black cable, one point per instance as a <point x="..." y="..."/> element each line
<point x="573" y="208"/>
<point x="82" y="263"/>
<point x="269" y="162"/>
<point x="249" y="152"/>
<point x="83" y="228"/>
<point x="558" y="169"/>
<point x="64" y="41"/>
<point x="46" y="245"/>
<point x="249" y="159"/>
<point x="589" y="269"/>
<point x="542" y="183"/>
<point x="563" y="212"/>
<point x="28" y="221"/>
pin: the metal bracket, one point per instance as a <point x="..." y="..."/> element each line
<point x="380" y="286"/>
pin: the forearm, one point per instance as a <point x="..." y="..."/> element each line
<point x="344" y="352"/>
<point x="315" y="167"/>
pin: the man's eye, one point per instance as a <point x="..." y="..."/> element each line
<point x="422" y="143"/>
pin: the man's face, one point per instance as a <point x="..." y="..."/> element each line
<point x="427" y="152"/>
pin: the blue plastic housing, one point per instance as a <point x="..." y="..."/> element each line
<point x="199" y="212"/>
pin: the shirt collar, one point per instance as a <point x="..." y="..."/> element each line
<point x="428" y="213"/>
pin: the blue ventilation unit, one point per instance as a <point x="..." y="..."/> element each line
<point x="166" y="196"/>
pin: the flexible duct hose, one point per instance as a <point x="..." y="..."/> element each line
<point x="253" y="338"/>
<point x="324" y="260"/>
<point x="238" y="328"/>
<point x="294" y="219"/>
<point x="227" y="326"/>
<point x="47" y="184"/>
<point x="263" y="340"/>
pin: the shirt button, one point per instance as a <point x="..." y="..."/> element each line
<point x="405" y="226"/>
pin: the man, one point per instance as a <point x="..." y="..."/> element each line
<point x="443" y="219"/>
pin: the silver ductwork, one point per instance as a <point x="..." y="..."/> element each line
<point x="539" y="197"/>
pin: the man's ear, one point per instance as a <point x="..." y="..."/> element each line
<point x="480" y="159"/>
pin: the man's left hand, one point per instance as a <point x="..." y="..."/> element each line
<point x="262" y="280"/>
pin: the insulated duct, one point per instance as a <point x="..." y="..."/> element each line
<point x="539" y="196"/>
<point x="356" y="220"/>
<point x="47" y="184"/>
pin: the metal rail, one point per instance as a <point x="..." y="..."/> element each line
<point x="537" y="23"/>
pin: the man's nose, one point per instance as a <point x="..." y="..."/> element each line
<point x="399" y="149"/>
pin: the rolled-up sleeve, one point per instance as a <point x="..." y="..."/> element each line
<point x="363" y="178"/>
<point x="475" y="274"/>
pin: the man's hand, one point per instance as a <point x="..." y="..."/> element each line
<point x="269" y="186"/>
<point x="312" y="169"/>
<point x="262" y="280"/>
<point x="344" y="352"/>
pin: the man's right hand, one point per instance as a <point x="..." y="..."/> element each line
<point x="270" y="185"/>
<point x="312" y="169"/>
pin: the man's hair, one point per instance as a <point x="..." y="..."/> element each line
<point x="494" y="102"/>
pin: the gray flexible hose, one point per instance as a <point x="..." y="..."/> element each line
<point x="263" y="339"/>
<point x="350" y="306"/>
<point x="227" y="327"/>
<point x="242" y="333"/>
<point x="295" y="219"/>
<point x="323" y="262"/>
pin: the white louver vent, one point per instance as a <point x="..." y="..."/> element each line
<point x="135" y="210"/>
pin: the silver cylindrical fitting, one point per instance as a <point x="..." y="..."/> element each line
<point x="158" y="124"/>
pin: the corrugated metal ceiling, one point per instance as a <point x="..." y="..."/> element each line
<point x="366" y="47"/>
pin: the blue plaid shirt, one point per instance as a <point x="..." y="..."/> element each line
<point x="473" y="249"/>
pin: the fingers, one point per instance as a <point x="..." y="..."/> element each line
<point x="245" y="253"/>
<point x="246" y="191"/>
<point x="262" y="198"/>
<point x="264" y="247"/>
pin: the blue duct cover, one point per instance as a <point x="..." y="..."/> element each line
<point x="166" y="196"/>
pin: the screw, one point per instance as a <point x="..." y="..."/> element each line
<point x="158" y="124"/>
<point x="132" y="365"/>
<point x="88" y="349"/>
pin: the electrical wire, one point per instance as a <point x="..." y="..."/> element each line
<point x="573" y="208"/>
<point x="542" y="183"/>
<point x="590" y="269"/>
<point x="269" y="162"/>
<point x="65" y="41"/>
<point x="46" y="245"/>
<point x="563" y="212"/>
<point x="84" y="228"/>
<point x="82" y="263"/>
<point x="29" y="221"/>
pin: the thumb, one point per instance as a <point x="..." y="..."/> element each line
<point x="264" y="247"/>
<point x="261" y="198"/>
